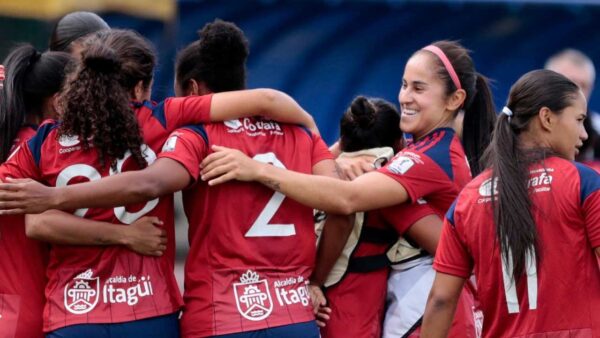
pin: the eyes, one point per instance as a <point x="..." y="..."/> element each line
<point x="416" y="86"/>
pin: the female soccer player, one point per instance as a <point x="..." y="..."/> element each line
<point x="97" y="135"/>
<point x="529" y="226"/>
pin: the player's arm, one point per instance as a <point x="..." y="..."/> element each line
<point x="336" y="230"/>
<point x="164" y="176"/>
<point x="367" y="192"/>
<point x="441" y="305"/>
<point x="426" y="232"/>
<point x="270" y="103"/>
<point x="144" y="236"/>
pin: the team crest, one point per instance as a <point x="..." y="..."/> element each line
<point x="401" y="165"/>
<point x="252" y="297"/>
<point x="82" y="293"/>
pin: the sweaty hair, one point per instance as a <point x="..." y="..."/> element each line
<point x="72" y="27"/>
<point x="96" y="100"/>
<point x="369" y="123"/>
<point x="515" y="227"/>
<point x="478" y="106"/>
<point x="218" y="58"/>
<point x="31" y="79"/>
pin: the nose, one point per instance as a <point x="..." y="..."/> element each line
<point x="583" y="135"/>
<point x="404" y="96"/>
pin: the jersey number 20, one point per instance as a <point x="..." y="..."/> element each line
<point x="261" y="227"/>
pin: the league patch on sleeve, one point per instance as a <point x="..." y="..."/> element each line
<point x="169" y="146"/>
<point x="401" y="164"/>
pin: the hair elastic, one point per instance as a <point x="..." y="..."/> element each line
<point x="440" y="54"/>
<point x="507" y="111"/>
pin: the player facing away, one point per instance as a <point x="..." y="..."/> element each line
<point x="529" y="226"/>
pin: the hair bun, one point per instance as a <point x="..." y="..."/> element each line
<point x="101" y="58"/>
<point x="363" y="112"/>
<point x="223" y="43"/>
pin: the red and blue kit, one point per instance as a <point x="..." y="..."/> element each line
<point x="91" y="284"/>
<point x="251" y="249"/>
<point x="560" y="294"/>
<point x="434" y="169"/>
<point x="22" y="273"/>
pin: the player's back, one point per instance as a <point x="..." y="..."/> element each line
<point x="560" y="296"/>
<point x="251" y="249"/>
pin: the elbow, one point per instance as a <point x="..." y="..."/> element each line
<point x="440" y="300"/>
<point x="146" y="189"/>
<point x="269" y="98"/>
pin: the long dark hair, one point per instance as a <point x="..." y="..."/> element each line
<point x="370" y="123"/>
<point x="31" y="79"/>
<point x="515" y="226"/>
<point x="218" y="58"/>
<point x="480" y="114"/>
<point x="96" y="101"/>
<point x="72" y="27"/>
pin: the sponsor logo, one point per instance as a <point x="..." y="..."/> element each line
<point x="485" y="189"/>
<point x="68" y="141"/>
<point x="253" y="127"/>
<point x="82" y="293"/>
<point x="252" y="296"/>
<point x="478" y="319"/>
<point x="540" y="180"/>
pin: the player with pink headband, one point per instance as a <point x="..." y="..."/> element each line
<point x="439" y="82"/>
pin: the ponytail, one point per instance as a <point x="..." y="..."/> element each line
<point x="96" y="106"/>
<point x="516" y="229"/>
<point x="478" y="124"/>
<point x="31" y="79"/>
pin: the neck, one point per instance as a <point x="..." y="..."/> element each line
<point x="441" y="124"/>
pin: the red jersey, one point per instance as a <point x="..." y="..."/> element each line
<point x="434" y="168"/>
<point x="251" y="249"/>
<point x="22" y="273"/>
<point x="94" y="284"/>
<point x="560" y="295"/>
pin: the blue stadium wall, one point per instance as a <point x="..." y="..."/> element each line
<point x="324" y="53"/>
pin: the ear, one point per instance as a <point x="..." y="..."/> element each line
<point x="456" y="100"/>
<point x="197" y="88"/>
<point x="547" y="119"/>
<point x="139" y="92"/>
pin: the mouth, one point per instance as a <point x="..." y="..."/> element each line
<point x="409" y="112"/>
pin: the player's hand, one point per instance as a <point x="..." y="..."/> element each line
<point x="227" y="164"/>
<point x="319" y="303"/>
<point x="25" y="196"/>
<point x="146" y="236"/>
<point x="352" y="167"/>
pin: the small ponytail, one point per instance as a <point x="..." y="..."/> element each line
<point x="31" y="78"/>
<point x="96" y="103"/>
<point x="478" y="124"/>
<point x="369" y="123"/>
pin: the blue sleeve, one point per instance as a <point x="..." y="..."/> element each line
<point x="589" y="181"/>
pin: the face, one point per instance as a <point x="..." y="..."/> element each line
<point x="422" y="97"/>
<point x="568" y="135"/>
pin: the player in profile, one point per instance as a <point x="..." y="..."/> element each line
<point x="540" y="252"/>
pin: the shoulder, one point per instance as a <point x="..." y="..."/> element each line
<point x="35" y="142"/>
<point x="442" y="147"/>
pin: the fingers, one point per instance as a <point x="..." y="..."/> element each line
<point x="17" y="211"/>
<point x="211" y="158"/>
<point x="228" y="168"/>
<point x="222" y="179"/>
<point x="10" y="187"/>
<point x="217" y="163"/>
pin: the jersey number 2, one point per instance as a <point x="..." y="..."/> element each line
<point x="510" y="287"/>
<point x="261" y="227"/>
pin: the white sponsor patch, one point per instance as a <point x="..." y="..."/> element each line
<point x="169" y="146"/>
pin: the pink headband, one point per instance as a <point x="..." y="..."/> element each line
<point x="440" y="54"/>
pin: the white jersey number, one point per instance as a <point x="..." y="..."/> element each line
<point x="510" y="287"/>
<point x="261" y="227"/>
<point x="89" y="172"/>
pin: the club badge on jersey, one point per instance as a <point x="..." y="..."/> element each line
<point x="252" y="296"/>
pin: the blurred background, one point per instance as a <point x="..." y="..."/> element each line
<point x="325" y="52"/>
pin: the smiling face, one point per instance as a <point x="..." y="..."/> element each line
<point x="423" y="100"/>
<point x="569" y="133"/>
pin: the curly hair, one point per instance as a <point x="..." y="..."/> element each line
<point x="96" y="101"/>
